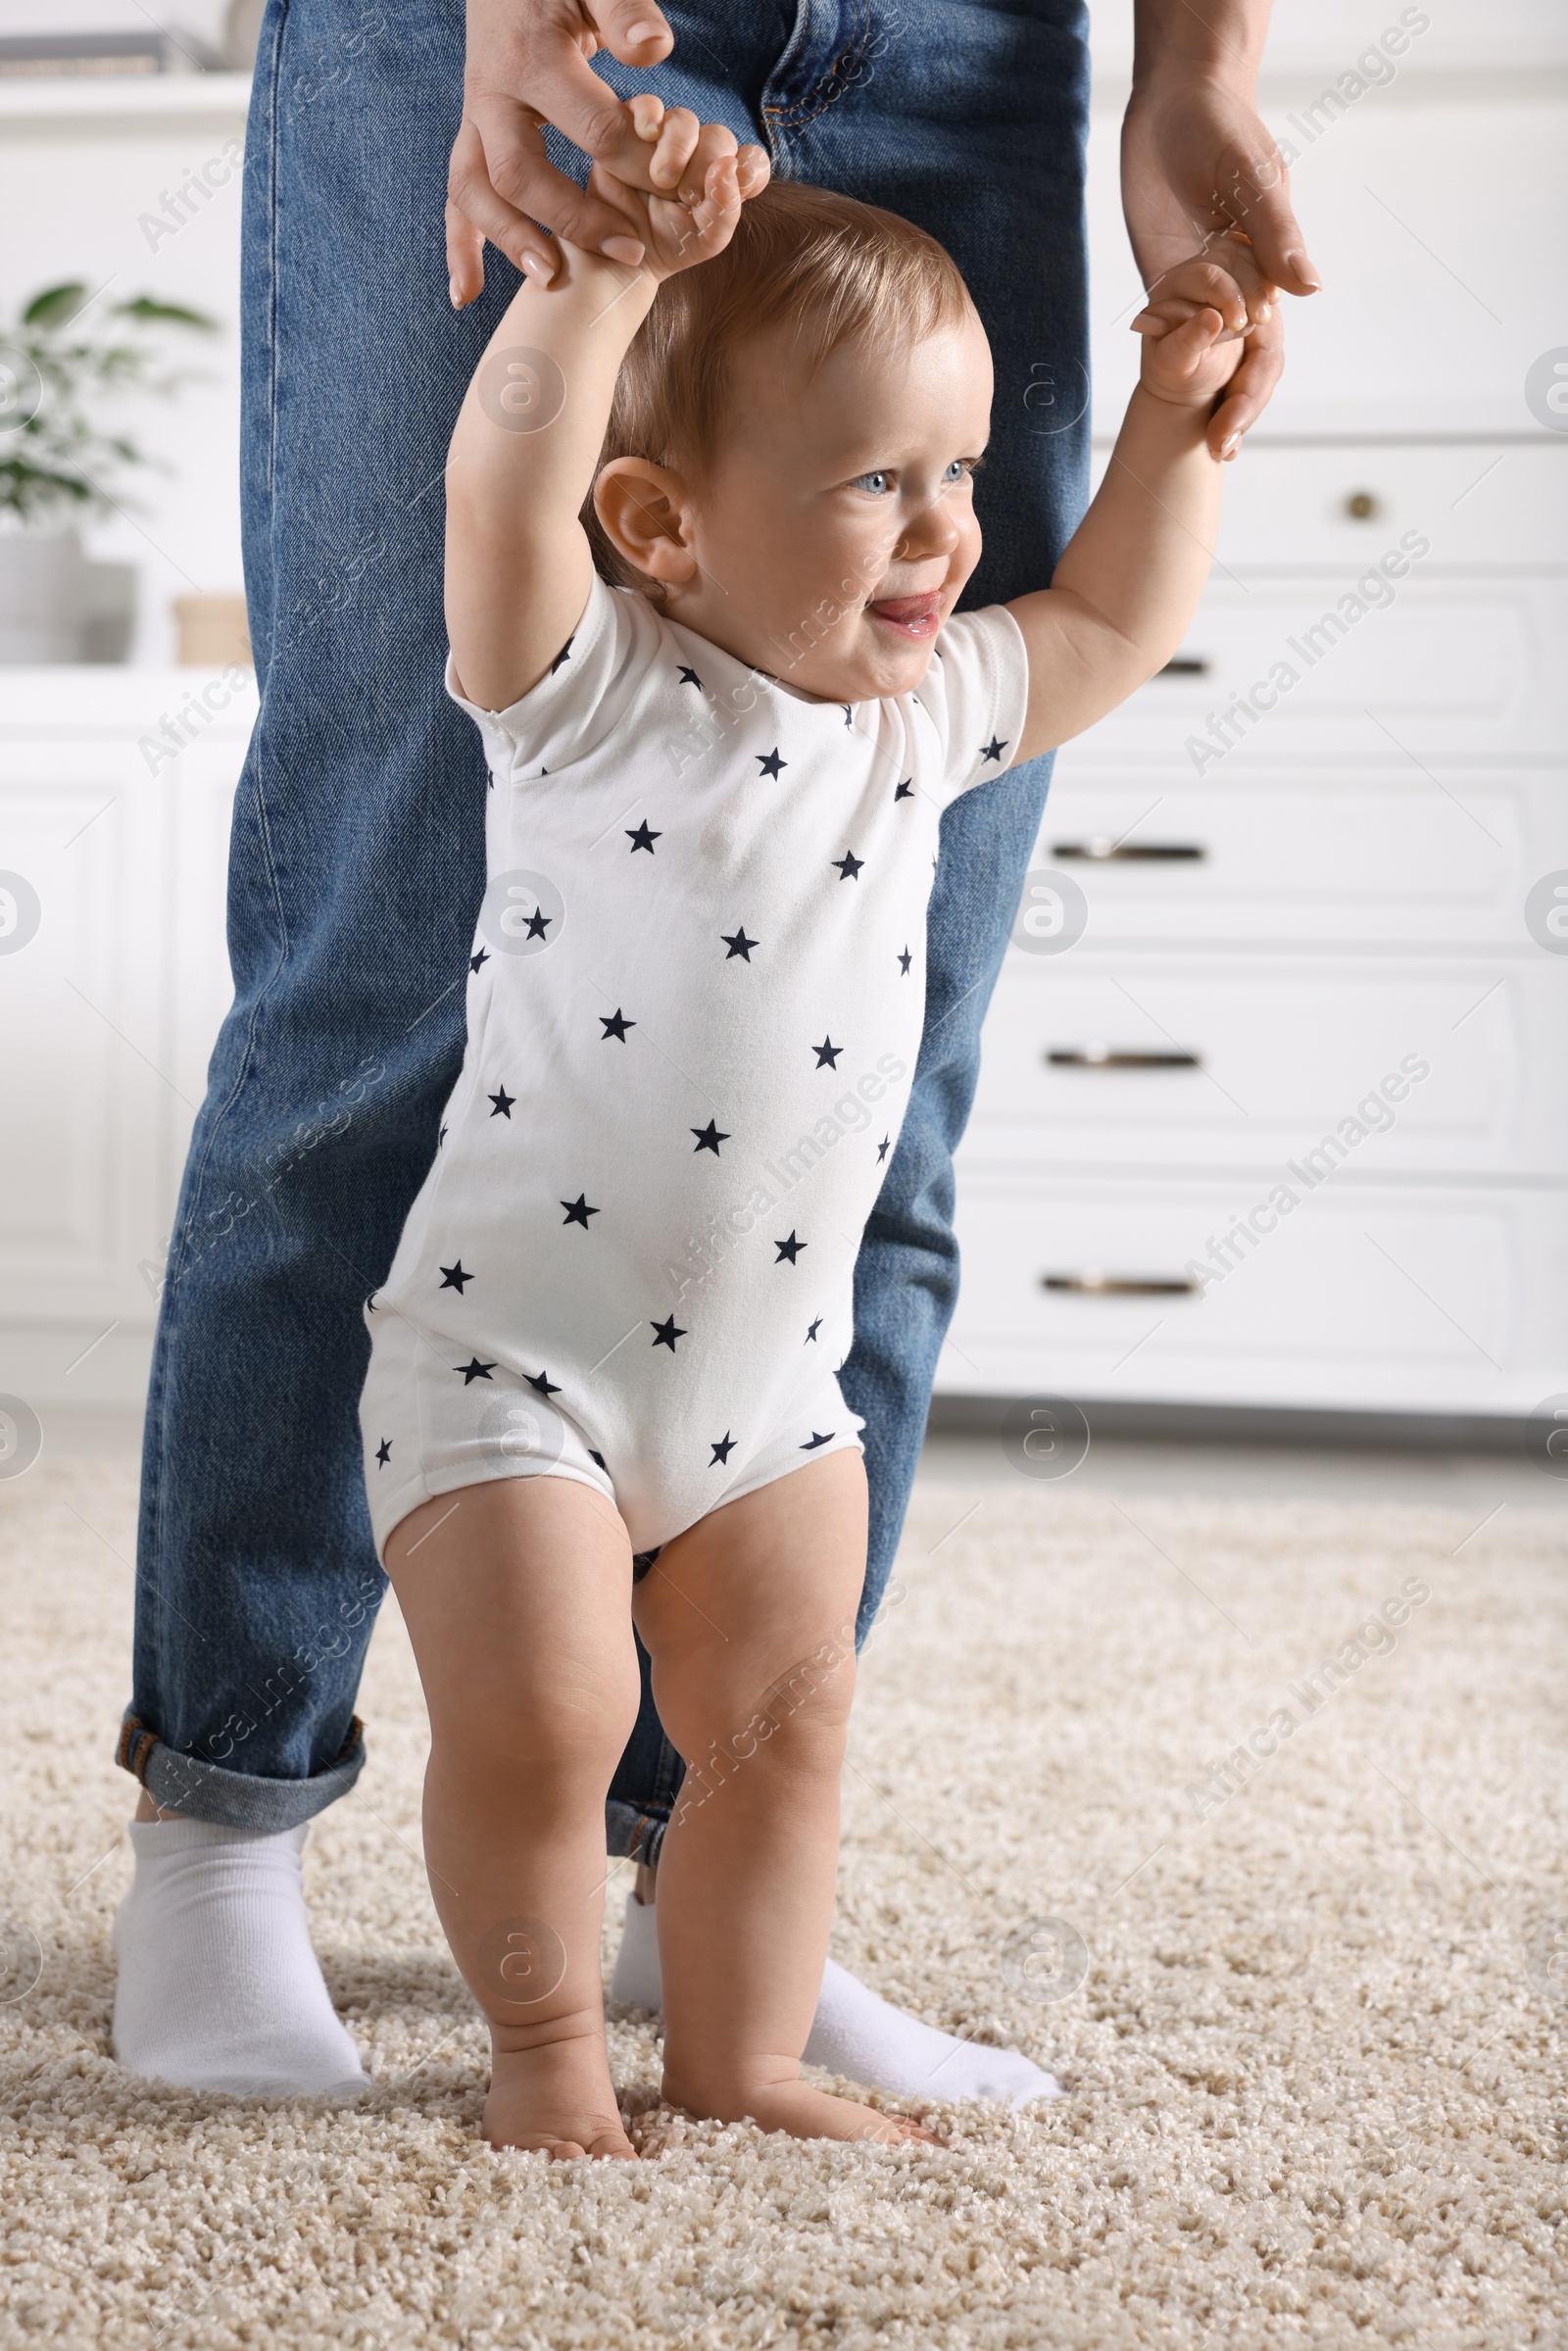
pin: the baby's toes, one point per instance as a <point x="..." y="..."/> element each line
<point x="896" y="2130"/>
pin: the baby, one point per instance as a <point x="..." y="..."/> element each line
<point x="602" y="1389"/>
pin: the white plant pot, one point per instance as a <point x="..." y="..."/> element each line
<point x="55" y="606"/>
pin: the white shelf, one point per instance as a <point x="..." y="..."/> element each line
<point x="140" y="98"/>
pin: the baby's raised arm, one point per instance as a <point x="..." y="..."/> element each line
<point x="528" y="437"/>
<point x="1125" y="590"/>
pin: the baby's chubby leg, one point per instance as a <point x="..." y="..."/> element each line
<point x="516" y="1596"/>
<point x="748" y="1619"/>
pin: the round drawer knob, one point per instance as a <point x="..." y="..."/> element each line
<point x="1362" y="506"/>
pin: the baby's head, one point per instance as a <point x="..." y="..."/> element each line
<point x="787" y="464"/>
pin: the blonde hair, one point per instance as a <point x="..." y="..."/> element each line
<point x="844" y="272"/>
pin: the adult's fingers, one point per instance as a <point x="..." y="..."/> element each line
<point x="1254" y="191"/>
<point x="472" y="196"/>
<point x="464" y="259"/>
<point x="1250" y="388"/>
<point x="521" y="175"/>
<point x="545" y="62"/>
<point x="632" y="30"/>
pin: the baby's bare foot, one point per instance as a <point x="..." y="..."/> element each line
<point x="556" y="2099"/>
<point x="802" y="2112"/>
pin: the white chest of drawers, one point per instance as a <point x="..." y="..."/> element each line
<point x="1287" y="1125"/>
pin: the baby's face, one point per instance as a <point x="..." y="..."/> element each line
<point x="837" y="529"/>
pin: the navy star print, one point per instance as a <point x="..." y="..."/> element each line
<point x="612" y="714"/>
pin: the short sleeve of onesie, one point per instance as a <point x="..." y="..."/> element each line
<point x="586" y="694"/>
<point x="975" y="693"/>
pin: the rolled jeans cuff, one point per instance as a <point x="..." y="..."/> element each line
<point x="633" y="1832"/>
<point x="206" y="1791"/>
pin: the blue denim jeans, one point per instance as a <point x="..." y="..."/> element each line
<point x="357" y="864"/>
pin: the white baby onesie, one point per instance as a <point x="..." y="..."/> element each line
<point x="696" y="999"/>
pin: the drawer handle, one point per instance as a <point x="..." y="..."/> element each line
<point x="1103" y="851"/>
<point x="1186" y="664"/>
<point x="1091" y="1282"/>
<point x="1118" y="1056"/>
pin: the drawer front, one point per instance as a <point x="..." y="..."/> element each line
<point x="1385" y="671"/>
<point x="1189" y="1062"/>
<point x="1497" y="506"/>
<point x="109" y="1011"/>
<point x="1330" y="856"/>
<point x="1356" y="1296"/>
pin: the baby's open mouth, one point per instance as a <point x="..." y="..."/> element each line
<point x="911" y="616"/>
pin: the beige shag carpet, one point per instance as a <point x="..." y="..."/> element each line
<point x="1311" y="2011"/>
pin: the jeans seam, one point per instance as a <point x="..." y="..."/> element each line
<point x="795" y="115"/>
<point x="275" y="75"/>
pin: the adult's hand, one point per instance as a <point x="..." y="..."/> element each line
<point x="1195" y="160"/>
<point x="527" y="65"/>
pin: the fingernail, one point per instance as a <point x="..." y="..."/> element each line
<point x="1230" y="445"/>
<point x="451" y="289"/>
<point x="1304" y="270"/>
<point x="622" y="249"/>
<point x="643" y="31"/>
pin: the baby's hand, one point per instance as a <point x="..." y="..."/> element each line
<point x="701" y="179"/>
<point x="1196" y="321"/>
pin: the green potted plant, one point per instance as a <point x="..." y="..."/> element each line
<point x="59" y="372"/>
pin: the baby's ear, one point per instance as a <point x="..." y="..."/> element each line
<point x="643" y="510"/>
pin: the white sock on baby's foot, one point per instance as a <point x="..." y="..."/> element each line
<point x="860" y="2035"/>
<point x="218" y="1987"/>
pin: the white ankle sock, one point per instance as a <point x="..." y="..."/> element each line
<point x="860" y="2035"/>
<point x="219" y="1986"/>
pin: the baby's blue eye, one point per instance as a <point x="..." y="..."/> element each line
<point x="956" y="470"/>
<point x="878" y="483"/>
